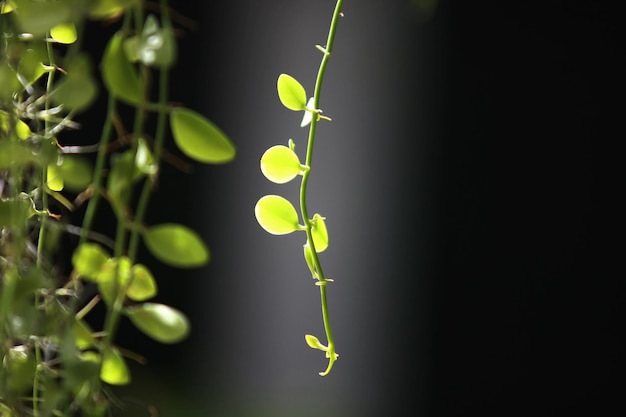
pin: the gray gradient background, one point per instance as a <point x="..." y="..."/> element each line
<point x="467" y="183"/>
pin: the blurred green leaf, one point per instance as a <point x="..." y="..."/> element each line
<point x="176" y="245"/>
<point x="280" y="164"/>
<point x="32" y="64"/>
<point x="144" y="161"/>
<point x="88" y="259"/>
<point x="64" y="33"/>
<point x="14" y="212"/>
<point x="143" y="286"/>
<point x="291" y="93"/>
<point x="38" y="17"/>
<point x="119" y="74"/>
<point x="55" y="177"/>
<point x="114" y="370"/>
<point x="276" y="215"/>
<point x="78" y="89"/>
<point x="161" y="322"/>
<point x="19" y="365"/>
<point x="10" y="83"/>
<point x="83" y="336"/>
<point x="77" y="172"/>
<point x="200" y="139"/>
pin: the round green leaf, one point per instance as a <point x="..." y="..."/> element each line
<point x="143" y="286"/>
<point x="114" y="370"/>
<point x="280" y="164"/>
<point x="276" y="215"/>
<point x="119" y="74"/>
<point x="200" y="139"/>
<point x="176" y="245"/>
<point x="162" y="323"/>
<point x="319" y="233"/>
<point x="88" y="258"/>
<point x="64" y="33"/>
<point x="291" y="93"/>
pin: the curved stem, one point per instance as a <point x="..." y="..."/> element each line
<point x="303" y="186"/>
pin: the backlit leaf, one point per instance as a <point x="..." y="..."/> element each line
<point x="55" y="177"/>
<point x="319" y="233"/>
<point x="200" y="139"/>
<point x="114" y="370"/>
<point x="143" y="286"/>
<point x="276" y="215"/>
<point x="88" y="258"/>
<point x="280" y="164"/>
<point x="64" y="33"/>
<point x="291" y="93"/>
<point x="161" y="322"/>
<point x="176" y="245"/>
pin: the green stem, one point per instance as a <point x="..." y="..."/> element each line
<point x="96" y="184"/>
<point x="103" y="145"/>
<point x="144" y="197"/>
<point x="303" y="186"/>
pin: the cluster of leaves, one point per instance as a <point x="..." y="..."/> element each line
<point x="53" y="361"/>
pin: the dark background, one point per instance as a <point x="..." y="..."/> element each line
<point x="471" y="188"/>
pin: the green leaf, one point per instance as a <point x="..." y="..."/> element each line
<point x="10" y="83"/>
<point x="143" y="286"/>
<point x="19" y="366"/>
<point x="55" y="177"/>
<point x="308" y="115"/>
<point x="32" y="64"/>
<point x="87" y="260"/>
<point x="14" y="153"/>
<point x="314" y="342"/>
<point x="161" y="322"/>
<point x="276" y="215"/>
<point x="78" y="89"/>
<point x="14" y="212"/>
<point x="319" y="233"/>
<point x="200" y="139"/>
<point x="64" y="33"/>
<point x="119" y="74"/>
<point x="38" y="17"/>
<point x="77" y="172"/>
<point x="76" y="93"/>
<point x="144" y="161"/>
<point x="114" y="370"/>
<point x="113" y="277"/>
<point x="291" y="93"/>
<point x="280" y="164"/>
<point x="83" y="336"/>
<point x="176" y="245"/>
